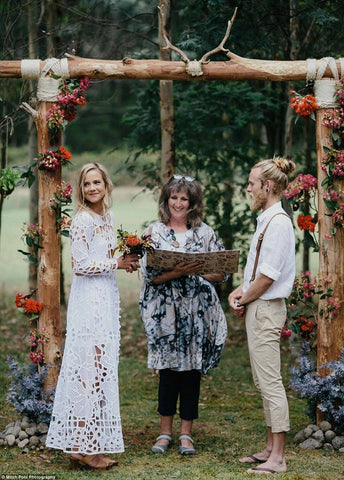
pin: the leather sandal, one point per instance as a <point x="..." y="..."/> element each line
<point x="162" y="448"/>
<point x="186" y="450"/>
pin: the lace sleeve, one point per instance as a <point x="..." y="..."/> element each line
<point x="86" y="260"/>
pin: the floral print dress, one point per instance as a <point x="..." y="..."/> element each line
<point x="185" y="325"/>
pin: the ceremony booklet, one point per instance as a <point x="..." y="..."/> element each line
<point x="224" y="261"/>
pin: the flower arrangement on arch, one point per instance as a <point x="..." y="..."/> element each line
<point x="302" y="305"/>
<point x="333" y="163"/>
<point x="32" y="237"/>
<point x="30" y="307"/>
<point x="38" y="337"/>
<point x="62" y="198"/>
<point x="301" y="192"/>
<point x="64" y="109"/>
<point x="303" y="105"/>
<point x="131" y="243"/>
<point x="53" y="157"/>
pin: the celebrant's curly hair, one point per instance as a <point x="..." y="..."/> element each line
<point x="80" y="197"/>
<point x="277" y="170"/>
<point x="194" y="192"/>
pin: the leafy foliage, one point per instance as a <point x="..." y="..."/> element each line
<point x="9" y="179"/>
<point x="26" y="391"/>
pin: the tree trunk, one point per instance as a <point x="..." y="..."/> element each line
<point x="166" y="103"/>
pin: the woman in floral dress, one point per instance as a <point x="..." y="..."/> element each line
<point x="185" y="326"/>
<point x="86" y="420"/>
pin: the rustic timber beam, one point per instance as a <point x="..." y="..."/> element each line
<point x="236" y="69"/>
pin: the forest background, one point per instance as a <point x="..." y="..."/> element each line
<point x="221" y="129"/>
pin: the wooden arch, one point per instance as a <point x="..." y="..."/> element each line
<point x="330" y="330"/>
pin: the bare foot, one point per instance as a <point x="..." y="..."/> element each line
<point x="259" y="457"/>
<point x="268" y="468"/>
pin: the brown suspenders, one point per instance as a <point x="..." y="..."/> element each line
<point x="259" y="244"/>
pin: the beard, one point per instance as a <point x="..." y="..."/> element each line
<point x="257" y="202"/>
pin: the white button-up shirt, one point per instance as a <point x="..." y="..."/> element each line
<point x="277" y="254"/>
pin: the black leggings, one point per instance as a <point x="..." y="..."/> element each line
<point x="186" y="385"/>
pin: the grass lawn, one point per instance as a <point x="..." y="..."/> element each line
<point x="230" y="422"/>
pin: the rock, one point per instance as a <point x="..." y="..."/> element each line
<point x="327" y="446"/>
<point x="308" y="431"/>
<point x="22" y="435"/>
<point x="338" y="442"/>
<point x="31" y="430"/>
<point x="329" y="435"/>
<point x="2" y="442"/>
<point x="10" y="440"/>
<point x="325" y="426"/>
<point x="313" y="427"/>
<point x="341" y="450"/>
<point x="300" y="437"/>
<point x="34" y="440"/>
<point x="9" y="430"/>
<point x="23" y="443"/>
<point x="42" y="427"/>
<point x="25" y="424"/>
<point x="43" y="439"/>
<point x="310" y="443"/>
<point x="319" y="435"/>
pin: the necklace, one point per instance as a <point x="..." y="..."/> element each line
<point x="174" y="242"/>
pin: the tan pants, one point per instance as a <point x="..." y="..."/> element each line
<point x="264" y="322"/>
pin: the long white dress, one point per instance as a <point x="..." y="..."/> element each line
<point x="86" y="415"/>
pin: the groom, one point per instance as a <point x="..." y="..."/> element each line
<point x="268" y="280"/>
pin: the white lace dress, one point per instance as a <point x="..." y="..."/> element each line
<point x="86" y="414"/>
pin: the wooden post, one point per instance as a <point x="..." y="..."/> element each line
<point x="49" y="258"/>
<point x="166" y="102"/>
<point x="331" y="262"/>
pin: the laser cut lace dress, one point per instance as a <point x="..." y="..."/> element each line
<point x="86" y="414"/>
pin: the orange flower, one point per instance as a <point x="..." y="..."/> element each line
<point x="306" y="222"/>
<point x="133" y="240"/>
<point x="32" y="306"/>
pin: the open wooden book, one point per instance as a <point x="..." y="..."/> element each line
<point x="224" y="261"/>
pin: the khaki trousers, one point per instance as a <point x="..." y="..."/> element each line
<point x="264" y="322"/>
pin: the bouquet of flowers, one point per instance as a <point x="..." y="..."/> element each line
<point x="131" y="243"/>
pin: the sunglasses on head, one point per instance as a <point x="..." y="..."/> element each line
<point x="180" y="177"/>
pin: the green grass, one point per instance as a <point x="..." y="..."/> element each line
<point x="230" y="423"/>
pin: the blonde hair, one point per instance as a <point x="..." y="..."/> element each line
<point x="277" y="170"/>
<point x="107" y="200"/>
